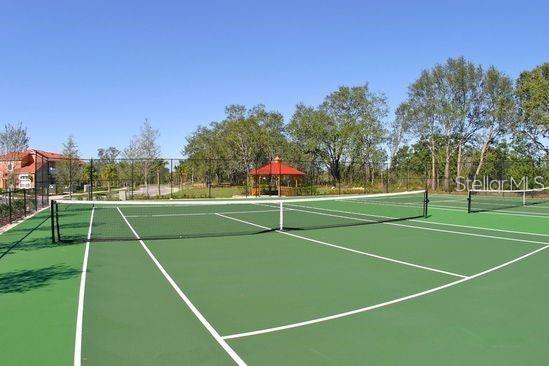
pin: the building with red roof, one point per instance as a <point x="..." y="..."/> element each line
<point x="21" y="170"/>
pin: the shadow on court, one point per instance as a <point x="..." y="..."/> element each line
<point x="27" y="280"/>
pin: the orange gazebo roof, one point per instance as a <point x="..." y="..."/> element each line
<point x="276" y="167"/>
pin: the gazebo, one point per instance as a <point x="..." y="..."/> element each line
<point x="277" y="169"/>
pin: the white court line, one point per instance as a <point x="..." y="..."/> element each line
<point x="236" y="358"/>
<point x="201" y="213"/>
<point x="430" y="222"/>
<point x="348" y="249"/>
<point x="453" y="208"/>
<point x="461" y="200"/>
<point x="478" y="228"/>
<point x="383" y="304"/>
<point x="498" y="212"/>
<point x="410" y="226"/>
<point x="80" y="312"/>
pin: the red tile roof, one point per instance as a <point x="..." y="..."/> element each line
<point x="25" y="160"/>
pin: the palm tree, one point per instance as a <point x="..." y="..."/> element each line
<point x="181" y="171"/>
<point x="110" y="174"/>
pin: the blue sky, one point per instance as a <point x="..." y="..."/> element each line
<point x="97" y="69"/>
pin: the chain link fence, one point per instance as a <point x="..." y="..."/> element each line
<point x="26" y="187"/>
<point x="25" y="183"/>
<point x="126" y="179"/>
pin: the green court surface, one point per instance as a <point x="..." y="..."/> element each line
<point x="334" y="287"/>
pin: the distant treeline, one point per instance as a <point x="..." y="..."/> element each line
<point x="458" y="118"/>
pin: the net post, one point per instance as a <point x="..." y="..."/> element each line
<point x="469" y="201"/>
<point x="52" y="220"/>
<point x="281" y="216"/>
<point x="524" y="198"/>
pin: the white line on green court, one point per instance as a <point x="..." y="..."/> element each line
<point x="478" y="228"/>
<point x="410" y="226"/>
<point x="498" y="212"/>
<point x="81" y="292"/>
<point x="463" y="200"/>
<point x="199" y="213"/>
<point x="381" y="305"/>
<point x="432" y="222"/>
<point x="236" y="358"/>
<point x="349" y="249"/>
<point x="453" y="208"/>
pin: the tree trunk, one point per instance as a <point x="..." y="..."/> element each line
<point x="147" y="182"/>
<point x="459" y="152"/>
<point x="109" y="186"/>
<point x="158" y="181"/>
<point x="487" y="142"/>
<point x="447" y="168"/>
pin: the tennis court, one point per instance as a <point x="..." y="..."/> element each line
<point x="371" y="279"/>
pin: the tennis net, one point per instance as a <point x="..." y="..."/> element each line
<point x="489" y="200"/>
<point x="190" y="219"/>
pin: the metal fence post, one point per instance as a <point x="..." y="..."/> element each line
<point x="91" y="180"/>
<point x="70" y="178"/>
<point x="171" y="178"/>
<point x="24" y="202"/>
<point x="209" y="179"/>
<point x="48" y="179"/>
<point x="9" y="206"/>
<point x="131" y="178"/>
<point x="35" y="179"/>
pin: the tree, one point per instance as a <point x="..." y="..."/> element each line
<point x="532" y="91"/>
<point x="422" y="115"/>
<point x="229" y="148"/>
<point x="445" y="104"/>
<point x="498" y="109"/>
<point x="107" y="165"/>
<point x="69" y="170"/>
<point x="109" y="173"/>
<point x="398" y="131"/>
<point x="13" y="139"/>
<point x="144" y="147"/>
<point x="307" y="130"/>
<point x="108" y="155"/>
<point x="181" y="172"/>
<point x="466" y="83"/>
<point x="346" y="126"/>
<point x="89" y="173"/>
<point x="159" y="166"/>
